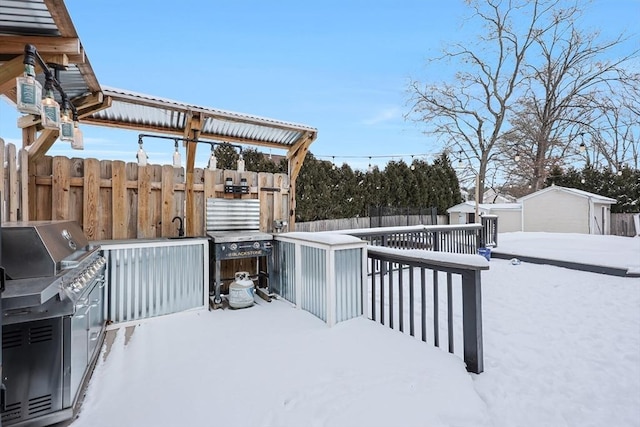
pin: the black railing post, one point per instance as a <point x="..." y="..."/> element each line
<point x="495" y="231"/>
<point x="472" y="321"/>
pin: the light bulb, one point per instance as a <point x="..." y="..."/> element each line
<point x="240" y="163"/>
<point x="141" y="156"/>
<point x="50" y="115"/>
<point x="177" y="160"/>
<point x="66" y="127"/>
<point x="28" y="89"/>
<point x="213" y="162"/>
<point x="78" y="138"/>
<point x="517" y="157"/>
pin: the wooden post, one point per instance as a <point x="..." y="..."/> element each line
<point x="296" y="156"/>
<point x="192" y="129"/>
<point x="91" y="196"/>
<point x="118" y="201"/>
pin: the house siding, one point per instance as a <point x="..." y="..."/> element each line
<point x="508" y="220"/>
<point x="556" y="212"/>
<point x="601" y="219"/>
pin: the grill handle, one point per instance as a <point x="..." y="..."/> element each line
<point x="3" y="397"/>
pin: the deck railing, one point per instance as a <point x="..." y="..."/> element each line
<point x="406" y="292"/>
<point x="489" y="236"/>
<point x="459" y="239"/>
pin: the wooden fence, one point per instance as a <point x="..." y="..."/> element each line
<point x="622" y="225"/>
<point x="365" y="222"/>
<point x="116" y="200"/>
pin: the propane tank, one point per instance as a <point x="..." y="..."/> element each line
<point x="241" y="291"/>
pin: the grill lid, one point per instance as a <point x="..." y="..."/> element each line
<point x="41" y="248"/>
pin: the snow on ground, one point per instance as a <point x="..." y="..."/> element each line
<point x="561" y="348"/>
<point x="273" y="365"/>
<point x="609" y="251"/>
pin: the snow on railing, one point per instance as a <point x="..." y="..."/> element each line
<point x="460" y="239"/>
<point x="323" y="274"/>
<point x="401" y="294"/>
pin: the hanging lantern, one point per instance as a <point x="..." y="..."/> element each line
<point x="50" y="115"/>
<point x="66" y="124"/>
<point x="28" y="89"/>
<point x="78" y="138"/>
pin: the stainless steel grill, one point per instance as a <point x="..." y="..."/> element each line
<point x="54" y="292"/>
<point x="233" y="226"/>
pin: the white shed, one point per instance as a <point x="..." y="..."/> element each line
<point x="509" y="215"/>
<point x="558" y="209"/>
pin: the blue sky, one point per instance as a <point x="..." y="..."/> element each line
<point x="341" y="66"/>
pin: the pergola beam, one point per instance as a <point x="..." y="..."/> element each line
<point x="296" y="156"/>
<point x="43" y="143"/>
<point x="191" y="131"/>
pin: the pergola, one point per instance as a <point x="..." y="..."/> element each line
<point x="46" y="24"/>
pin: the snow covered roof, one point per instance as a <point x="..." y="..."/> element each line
<point x="575" y="191"/>
<point x="485" y="208"/>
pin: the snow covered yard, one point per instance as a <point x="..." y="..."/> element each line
<point x="561" y="348"/>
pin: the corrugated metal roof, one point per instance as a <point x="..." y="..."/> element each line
<point x="133" y="110"/>
<point x="26" y="17"/>
<point x="165" y="115"/>
<point x="32" y="18"/>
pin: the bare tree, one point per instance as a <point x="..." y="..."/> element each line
<point x="470" y="114"/>
<point x="571" y="89"/>
<point x="614" y="137"/>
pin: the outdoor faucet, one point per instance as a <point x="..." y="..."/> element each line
<point x="180" y="227"/>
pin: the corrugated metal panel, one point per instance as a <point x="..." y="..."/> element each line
<point x="232" y="214"/>
<point x="284" y="271"/>
<point x="250" y="131"/>
<point x="170" y="115"/>
<point x="348" y="282"/>
<point x="146" y="282"/>
<point x="314" y="281"/>
<point x="26" y="18"/>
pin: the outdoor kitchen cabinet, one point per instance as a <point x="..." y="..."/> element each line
<point x="52" y="319"/>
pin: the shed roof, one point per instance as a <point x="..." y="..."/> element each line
<point x="470" y="206"/>
<point x="574" y="191"/>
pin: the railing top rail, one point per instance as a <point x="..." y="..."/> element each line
<point x="360" y="232"/>
<point x="432" y="259"/>
<point x="326" y="239"/>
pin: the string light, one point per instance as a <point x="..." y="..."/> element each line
<point x="50" y="115"/>
<point x="213" y="161"/>
<point x="177" y="161"/>
<point x="240" y="163"/>
<point x="141" y="155"/>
